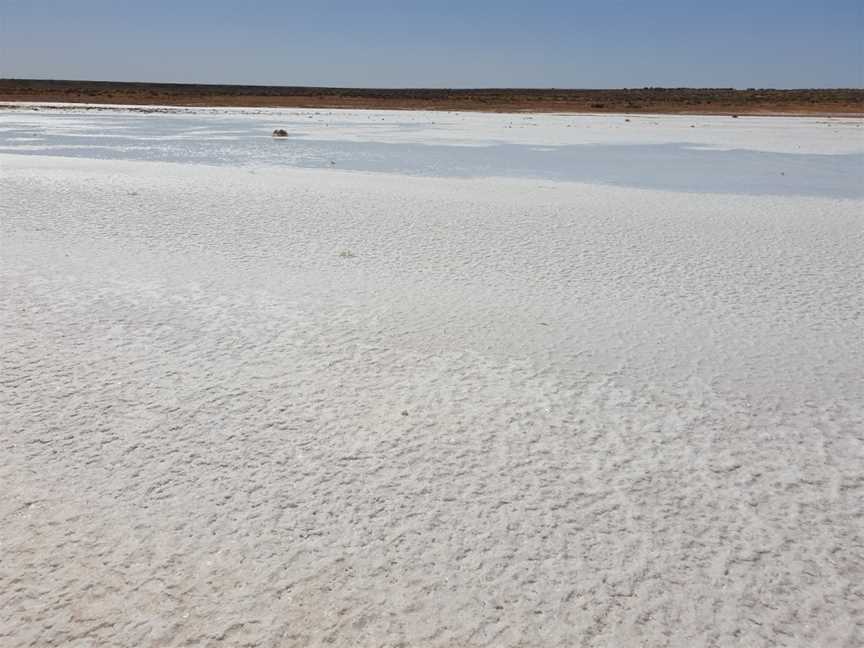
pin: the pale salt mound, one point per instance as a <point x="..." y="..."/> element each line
<point x="299" y="408"/>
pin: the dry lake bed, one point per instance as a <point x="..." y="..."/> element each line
<point x="430" y="379"/>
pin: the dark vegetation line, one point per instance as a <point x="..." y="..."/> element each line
<point x="705" y="100"/>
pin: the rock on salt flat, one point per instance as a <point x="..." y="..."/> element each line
<point x="293" y="407"/>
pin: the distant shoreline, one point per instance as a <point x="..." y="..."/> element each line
<point x="702" y="101"/>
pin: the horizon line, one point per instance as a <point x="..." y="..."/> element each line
<point x="434" y="88"/>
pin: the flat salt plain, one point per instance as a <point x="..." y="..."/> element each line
<point x="444" y="392"/>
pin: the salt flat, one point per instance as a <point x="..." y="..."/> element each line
<point x="250" y="397"/>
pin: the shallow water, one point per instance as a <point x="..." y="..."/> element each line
<point x="233" y="140"/>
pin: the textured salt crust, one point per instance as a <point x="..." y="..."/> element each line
<point x="298" y="408"/>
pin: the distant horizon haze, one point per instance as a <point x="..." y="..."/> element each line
<point x="435" y="88"/>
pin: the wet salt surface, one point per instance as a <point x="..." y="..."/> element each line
<point x="245" y="140"/>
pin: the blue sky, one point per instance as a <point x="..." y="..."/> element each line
<point x="555" y="43"/>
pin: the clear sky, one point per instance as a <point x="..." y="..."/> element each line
<point x="482" y="43"/>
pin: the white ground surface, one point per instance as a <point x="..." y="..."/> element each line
<point x="282" y="407"/>
<point x="772" y="134"/>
